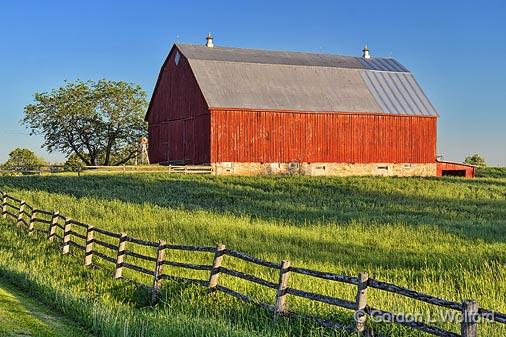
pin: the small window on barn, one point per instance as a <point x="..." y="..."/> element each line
<point x="318" y="170"/>
<point x="293" y="165"/>
<point x="176" y="58"/>
<point x="453" y="173"/>
<point x="383" y="167"/>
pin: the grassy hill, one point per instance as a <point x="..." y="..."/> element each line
<point x="445" y="237"/>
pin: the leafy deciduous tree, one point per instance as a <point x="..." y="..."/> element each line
<point x="23" y="159"/>
<point x="73" y="163"/>
<point x="475" y="159"/>
<point x="100" y="122"/>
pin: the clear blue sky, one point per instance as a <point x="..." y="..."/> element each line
<point x="457" y="50"/>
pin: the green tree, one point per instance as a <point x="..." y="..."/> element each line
<point x="73" y="163"/>
<point x="100" y="122"/>
<point x="23" y="160"/>
<point x="475" y="159"/>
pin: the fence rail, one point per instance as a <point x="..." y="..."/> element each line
<point x="165" y="168"/>
<point x="182" y="169"/>
<point x="27" y="216"/>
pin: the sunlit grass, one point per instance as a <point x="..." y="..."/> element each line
<point x="445" y="237"/>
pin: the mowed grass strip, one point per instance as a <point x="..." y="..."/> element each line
<point x="22" y="315"/>
<point x="445" y="237"/>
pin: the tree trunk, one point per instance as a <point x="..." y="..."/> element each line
<point x="108" y="152"/>
<point x="83" y="158"/>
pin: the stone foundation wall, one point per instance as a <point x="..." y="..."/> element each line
<point x="326" y="169"/>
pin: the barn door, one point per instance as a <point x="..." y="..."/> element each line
<point x="164" y="131"/>
<point x="176" y="142"/>
<point x="189" y="141"/>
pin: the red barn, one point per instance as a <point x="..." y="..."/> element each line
<point x="248" y="111"/>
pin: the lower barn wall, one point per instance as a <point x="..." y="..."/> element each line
<point x="326" y="169"/>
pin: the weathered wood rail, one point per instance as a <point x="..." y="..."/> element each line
<point x="27" y="216"/>
<point x="170" y="169"/>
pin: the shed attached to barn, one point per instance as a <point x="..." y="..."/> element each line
<point x="453" y="169"/>
<point x="247" y="111"/>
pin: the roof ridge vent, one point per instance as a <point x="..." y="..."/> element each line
<point x="366" y="54"/>
<point x="209" y="42"/>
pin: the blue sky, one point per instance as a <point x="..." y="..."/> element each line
<point x="456" y="49"/>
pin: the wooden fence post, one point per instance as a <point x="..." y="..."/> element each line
<point x="20" y="214"/>
<point x="284" y="273"/>
<point x="361" y="301"/>
<point x="157" y="280"/>
<point x="215" y="270"/>
<point x="31" y="223"/>
<point x="88" y="255"/>
<point x="469" y="325"/>
<point x="52" y="226"/>
<point x="118" y="272"/>
<point x="66" y="236"/>
<point x="4" y="205"/>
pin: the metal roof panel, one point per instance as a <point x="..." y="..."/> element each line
<point x="283" y="87"/>
<point x="383" y="64"/>
<point x="398" y="93"/>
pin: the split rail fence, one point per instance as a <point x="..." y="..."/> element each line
<point x="182" y="169"/>
<point x="170" y="169"/>
<point x="27" y="216"/>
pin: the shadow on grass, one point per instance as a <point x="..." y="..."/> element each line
<point x="302" y="200"/>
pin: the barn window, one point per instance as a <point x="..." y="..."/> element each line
<point x="176" y="58"/>
<point x="453" y="173"/>
<point x="319" y="170"/>
<point x="382" y="167"/>
<point x="293" y="165"/>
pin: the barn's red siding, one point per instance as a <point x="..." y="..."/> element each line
<point x="267" y="136"/>
<point x="179" y="121"/>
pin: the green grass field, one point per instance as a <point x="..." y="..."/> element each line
<point x="21" y="315"/>
<point x="445" y="237"/>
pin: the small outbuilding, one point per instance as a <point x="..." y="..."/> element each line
<point x="452" y="169"/>
<point x="248" y="111"/>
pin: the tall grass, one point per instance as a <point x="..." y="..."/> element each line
<point x="445" y="237"/>
<point x="491" y="172"/>
<point x="111" y="307"/>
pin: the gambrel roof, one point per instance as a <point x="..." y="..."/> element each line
<point x="294" y="81"/>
